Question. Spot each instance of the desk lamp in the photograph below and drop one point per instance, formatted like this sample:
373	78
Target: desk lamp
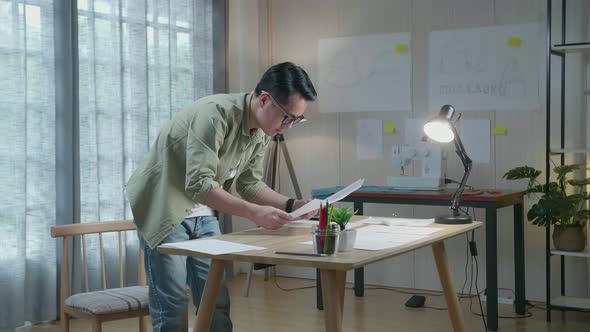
442	130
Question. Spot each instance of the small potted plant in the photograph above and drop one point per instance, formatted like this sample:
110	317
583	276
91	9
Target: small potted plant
342	216
562	203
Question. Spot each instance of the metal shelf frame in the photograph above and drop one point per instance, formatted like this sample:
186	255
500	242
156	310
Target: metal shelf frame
560	50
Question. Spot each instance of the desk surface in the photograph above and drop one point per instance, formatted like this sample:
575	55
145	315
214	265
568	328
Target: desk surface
289	239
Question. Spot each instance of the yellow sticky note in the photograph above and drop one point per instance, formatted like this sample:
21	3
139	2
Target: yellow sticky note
514	41
401	48
500	130
389	127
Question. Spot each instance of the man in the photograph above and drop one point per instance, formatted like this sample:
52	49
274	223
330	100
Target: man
216	141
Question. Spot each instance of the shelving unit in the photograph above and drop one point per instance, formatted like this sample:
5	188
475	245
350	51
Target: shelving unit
561	50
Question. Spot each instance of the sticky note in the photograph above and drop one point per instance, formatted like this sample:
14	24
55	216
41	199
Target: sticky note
389	127
500	130
514	41
401	48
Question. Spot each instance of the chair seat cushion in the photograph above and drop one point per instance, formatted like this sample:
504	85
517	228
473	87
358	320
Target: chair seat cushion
109	301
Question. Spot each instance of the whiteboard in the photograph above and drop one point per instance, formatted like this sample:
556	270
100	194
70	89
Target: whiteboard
483	69
365	73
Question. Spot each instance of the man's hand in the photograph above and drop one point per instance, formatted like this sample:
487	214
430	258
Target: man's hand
270	217
301	202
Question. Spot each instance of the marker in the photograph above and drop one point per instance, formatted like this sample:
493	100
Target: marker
299	253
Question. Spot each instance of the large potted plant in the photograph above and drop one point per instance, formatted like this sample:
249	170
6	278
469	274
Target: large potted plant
342	216
562	204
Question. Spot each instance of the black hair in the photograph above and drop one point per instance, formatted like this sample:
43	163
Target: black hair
283	80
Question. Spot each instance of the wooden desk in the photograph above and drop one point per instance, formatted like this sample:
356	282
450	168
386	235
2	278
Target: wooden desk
491	201
332	269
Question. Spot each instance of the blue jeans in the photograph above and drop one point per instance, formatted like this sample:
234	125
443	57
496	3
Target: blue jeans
169	275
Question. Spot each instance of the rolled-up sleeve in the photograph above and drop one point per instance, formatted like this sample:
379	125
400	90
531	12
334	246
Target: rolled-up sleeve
249	182
205	137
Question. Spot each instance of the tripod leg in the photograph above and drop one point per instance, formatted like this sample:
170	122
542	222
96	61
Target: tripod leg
289	163
270	166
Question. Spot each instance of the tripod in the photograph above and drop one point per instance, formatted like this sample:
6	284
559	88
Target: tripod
271	169
272	164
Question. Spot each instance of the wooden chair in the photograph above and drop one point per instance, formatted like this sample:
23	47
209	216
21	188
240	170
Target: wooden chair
106	304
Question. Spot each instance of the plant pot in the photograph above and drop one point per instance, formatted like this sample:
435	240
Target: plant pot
347	240
569	238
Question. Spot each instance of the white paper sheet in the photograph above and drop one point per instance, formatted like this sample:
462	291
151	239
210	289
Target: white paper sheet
365	73
475	69
302	223
414	131
369	239
378	237
306	223
476	137
397	221
404	230
369	139
315	204
212	246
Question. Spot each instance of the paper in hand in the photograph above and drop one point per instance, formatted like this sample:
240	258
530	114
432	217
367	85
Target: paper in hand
315	204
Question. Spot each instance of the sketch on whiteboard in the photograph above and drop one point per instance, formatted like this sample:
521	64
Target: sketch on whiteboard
476	69
343	71
359	74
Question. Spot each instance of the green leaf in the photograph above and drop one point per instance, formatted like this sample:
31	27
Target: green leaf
563	170
579	183
342	216
555	206
522	172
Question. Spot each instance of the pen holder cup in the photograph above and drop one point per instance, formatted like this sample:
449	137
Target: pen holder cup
325	241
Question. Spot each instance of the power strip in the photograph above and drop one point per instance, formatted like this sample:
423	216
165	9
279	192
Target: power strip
502	300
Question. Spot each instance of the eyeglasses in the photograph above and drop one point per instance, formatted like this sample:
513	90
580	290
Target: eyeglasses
288	118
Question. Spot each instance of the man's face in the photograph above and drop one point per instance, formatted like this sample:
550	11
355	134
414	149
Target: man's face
279	117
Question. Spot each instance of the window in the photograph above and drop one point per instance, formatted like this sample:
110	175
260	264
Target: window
27	161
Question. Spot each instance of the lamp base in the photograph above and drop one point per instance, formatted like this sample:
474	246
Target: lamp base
453	220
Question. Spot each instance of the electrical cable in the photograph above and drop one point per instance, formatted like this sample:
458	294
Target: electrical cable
399	291
462	293
477	290
289	289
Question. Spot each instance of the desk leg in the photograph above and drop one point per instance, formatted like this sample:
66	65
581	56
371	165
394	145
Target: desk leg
207	305
341	285
359	274
446	280
519	258
333	292
318	292
492	268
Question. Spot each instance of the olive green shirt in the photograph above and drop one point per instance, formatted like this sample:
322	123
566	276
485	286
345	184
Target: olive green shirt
207	145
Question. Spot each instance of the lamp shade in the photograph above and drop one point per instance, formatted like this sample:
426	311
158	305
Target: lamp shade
439	127
439	130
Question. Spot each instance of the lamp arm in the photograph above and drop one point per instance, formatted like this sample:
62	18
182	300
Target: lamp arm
467	165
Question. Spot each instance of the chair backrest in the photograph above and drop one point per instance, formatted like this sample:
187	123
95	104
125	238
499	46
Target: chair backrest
71	230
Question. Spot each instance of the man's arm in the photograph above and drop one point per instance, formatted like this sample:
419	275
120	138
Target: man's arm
267	196
266	216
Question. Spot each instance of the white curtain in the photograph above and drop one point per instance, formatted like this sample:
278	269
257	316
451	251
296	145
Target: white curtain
27	163
139	63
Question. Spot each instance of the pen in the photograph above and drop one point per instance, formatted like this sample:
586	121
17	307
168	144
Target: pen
299	253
